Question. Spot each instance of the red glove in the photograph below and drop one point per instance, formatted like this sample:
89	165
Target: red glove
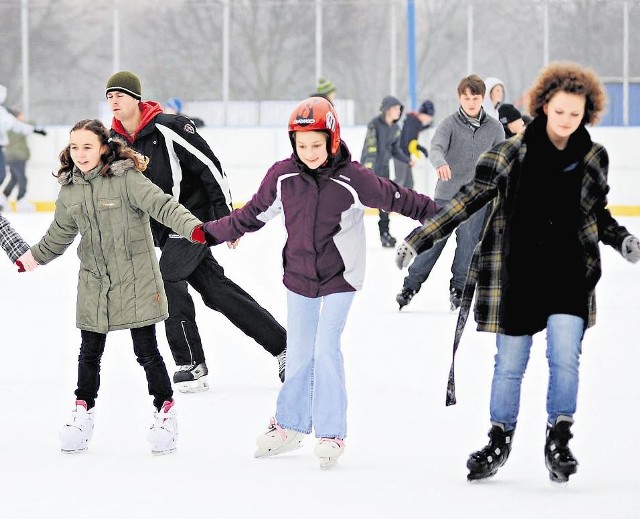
198	235
20	266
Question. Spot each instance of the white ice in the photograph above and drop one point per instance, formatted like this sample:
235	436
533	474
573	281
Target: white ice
406	451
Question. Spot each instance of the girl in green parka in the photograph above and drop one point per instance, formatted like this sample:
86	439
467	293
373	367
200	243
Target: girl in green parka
106	199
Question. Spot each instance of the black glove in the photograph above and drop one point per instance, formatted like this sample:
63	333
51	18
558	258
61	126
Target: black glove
41	131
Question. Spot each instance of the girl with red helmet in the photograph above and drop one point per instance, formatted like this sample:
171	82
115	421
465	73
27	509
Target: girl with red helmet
322	194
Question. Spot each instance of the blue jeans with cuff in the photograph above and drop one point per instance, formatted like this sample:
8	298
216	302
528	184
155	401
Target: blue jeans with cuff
564	344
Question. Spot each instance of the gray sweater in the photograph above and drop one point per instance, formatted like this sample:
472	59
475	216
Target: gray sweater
457	144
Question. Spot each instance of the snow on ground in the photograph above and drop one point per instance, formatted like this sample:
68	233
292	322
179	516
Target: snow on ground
406	451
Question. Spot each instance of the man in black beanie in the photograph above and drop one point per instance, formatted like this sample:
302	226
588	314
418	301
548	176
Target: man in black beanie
182	164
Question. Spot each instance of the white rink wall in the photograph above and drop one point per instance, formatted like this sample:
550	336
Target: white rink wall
247	153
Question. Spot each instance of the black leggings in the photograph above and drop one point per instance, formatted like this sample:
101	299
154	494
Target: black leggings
145	346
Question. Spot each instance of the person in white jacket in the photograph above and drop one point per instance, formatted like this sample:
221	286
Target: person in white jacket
9	122
494	96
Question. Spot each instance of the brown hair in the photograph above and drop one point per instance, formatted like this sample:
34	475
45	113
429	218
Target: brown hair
473	84
573	79
117	150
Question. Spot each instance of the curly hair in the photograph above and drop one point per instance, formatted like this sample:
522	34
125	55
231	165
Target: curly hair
573	79
117	149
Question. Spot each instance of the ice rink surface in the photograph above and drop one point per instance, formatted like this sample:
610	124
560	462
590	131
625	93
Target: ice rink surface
406	451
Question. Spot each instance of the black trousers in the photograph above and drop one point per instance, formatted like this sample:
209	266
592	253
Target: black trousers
17	169
222	295
145	346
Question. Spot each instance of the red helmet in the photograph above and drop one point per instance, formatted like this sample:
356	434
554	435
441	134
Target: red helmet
316	114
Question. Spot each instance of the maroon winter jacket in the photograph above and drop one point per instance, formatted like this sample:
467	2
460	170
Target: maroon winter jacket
323	210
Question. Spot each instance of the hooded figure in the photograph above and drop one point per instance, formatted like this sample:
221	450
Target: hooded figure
494	96
381	143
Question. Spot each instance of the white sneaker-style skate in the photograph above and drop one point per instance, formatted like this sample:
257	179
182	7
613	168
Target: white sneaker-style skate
328	450
277	440
163	434
77	432
191	378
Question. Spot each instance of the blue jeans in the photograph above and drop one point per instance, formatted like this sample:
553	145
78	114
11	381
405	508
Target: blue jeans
467	235
564	344
314	392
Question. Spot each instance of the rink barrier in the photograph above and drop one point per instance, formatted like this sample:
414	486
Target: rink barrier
247	153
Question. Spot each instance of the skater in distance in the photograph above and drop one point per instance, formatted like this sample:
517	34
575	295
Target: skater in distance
322	195
538	261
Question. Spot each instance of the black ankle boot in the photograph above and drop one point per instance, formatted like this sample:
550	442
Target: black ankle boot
486	462
558	457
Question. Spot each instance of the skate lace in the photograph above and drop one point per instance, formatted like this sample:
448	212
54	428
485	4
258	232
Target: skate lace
282	360
273	426
338	441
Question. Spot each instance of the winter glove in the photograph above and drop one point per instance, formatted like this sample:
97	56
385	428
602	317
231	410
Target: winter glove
631	249
198	235
41	131
404	255
20	266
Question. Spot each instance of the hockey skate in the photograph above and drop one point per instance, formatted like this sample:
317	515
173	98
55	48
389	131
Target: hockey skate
282	362
77	432
387	240
191	378
558	457
485	463
277	440
455	298
328	450
163	434
404	297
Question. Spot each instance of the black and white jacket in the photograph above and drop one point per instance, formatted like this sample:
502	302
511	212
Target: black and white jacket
181	163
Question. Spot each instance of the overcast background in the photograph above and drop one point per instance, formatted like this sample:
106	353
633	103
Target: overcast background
176	48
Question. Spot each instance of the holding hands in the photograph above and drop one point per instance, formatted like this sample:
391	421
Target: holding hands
26	262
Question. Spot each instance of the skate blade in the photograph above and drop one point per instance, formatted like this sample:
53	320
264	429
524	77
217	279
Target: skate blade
81	450
262	453
327	463
164	452
193	386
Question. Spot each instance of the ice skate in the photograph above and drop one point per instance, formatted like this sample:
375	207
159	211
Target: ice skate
277	440
455	298
77	432
163	434
328	450
387	240
404	297
558	457
191	378
485	463
282	362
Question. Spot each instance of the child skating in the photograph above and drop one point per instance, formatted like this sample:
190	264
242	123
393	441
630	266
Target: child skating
107	200
322	194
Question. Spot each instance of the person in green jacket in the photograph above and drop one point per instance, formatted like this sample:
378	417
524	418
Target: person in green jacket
105	197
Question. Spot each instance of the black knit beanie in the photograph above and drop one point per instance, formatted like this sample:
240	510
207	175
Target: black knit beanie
125	81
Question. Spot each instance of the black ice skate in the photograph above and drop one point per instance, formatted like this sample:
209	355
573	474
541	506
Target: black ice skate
282	363
404	297
191	378
387	240
485	463
455	298
558	457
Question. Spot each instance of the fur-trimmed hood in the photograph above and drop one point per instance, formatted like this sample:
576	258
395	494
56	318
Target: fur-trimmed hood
117	168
